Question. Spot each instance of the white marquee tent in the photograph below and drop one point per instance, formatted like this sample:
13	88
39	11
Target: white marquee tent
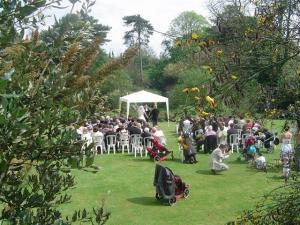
143	97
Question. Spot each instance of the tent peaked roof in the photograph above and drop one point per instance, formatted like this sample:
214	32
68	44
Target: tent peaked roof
143	96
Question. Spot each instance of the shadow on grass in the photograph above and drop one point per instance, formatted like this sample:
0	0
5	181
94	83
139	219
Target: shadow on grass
238	162
207	172
175	160
141	160
275	177
147	201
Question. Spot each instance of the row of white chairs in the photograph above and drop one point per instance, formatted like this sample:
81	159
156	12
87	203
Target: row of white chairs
135	143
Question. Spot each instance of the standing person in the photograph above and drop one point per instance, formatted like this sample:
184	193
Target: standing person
297	151
222	135
286	147
147	112
186	144
141	113
154	115
216	159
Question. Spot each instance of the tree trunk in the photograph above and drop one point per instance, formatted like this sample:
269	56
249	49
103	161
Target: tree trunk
141	59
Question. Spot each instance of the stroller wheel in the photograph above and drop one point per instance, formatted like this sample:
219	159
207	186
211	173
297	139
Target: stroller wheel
172	201
157	196
156	158
186	193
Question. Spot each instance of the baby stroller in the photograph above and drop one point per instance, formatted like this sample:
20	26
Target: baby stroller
169	187
260	163
269	141
158	152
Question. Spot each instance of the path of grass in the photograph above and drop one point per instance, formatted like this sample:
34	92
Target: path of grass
125	183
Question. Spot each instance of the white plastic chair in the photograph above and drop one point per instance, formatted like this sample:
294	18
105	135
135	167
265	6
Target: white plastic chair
177	128
99	143
124	142
111	143
181	155
87	137
234	142
136	143
147	144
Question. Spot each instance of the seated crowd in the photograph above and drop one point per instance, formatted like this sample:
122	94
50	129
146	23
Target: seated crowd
227	132
106	127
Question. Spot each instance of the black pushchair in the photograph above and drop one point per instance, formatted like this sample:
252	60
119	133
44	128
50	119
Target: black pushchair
169	187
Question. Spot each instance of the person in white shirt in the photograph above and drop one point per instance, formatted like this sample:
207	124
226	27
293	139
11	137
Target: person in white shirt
216	159
260	162
187	126
159	134
141	113
222	135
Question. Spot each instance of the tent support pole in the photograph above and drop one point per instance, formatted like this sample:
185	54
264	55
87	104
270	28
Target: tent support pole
168	116
127	111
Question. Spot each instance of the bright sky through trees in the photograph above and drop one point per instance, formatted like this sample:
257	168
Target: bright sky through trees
159	13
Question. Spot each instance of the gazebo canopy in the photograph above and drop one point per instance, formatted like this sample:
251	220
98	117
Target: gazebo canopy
143	97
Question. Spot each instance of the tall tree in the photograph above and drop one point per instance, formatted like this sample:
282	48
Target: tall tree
186	23
139	35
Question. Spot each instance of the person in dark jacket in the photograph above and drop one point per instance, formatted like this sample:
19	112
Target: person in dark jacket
154	115
134	129
231	131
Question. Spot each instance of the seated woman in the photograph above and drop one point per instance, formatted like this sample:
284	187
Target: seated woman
216	159
159	135
250	151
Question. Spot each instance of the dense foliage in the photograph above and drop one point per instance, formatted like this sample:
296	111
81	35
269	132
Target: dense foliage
45	91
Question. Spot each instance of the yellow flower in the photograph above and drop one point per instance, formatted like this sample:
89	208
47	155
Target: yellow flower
298	72
186	90
197	98
202	44
205	113
195	36
273	100
261	20
219	52
211	42
211	101
208	68
233	77
248	114
178	42
201	113
195	89
290	107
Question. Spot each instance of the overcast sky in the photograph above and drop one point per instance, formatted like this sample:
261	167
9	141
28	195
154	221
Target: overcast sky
159	12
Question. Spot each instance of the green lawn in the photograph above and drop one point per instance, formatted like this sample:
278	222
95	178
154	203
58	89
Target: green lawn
125	183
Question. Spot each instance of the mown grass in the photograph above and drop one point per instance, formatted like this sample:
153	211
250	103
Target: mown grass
126	185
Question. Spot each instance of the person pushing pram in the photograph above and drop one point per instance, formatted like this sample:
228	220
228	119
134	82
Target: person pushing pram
186	143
